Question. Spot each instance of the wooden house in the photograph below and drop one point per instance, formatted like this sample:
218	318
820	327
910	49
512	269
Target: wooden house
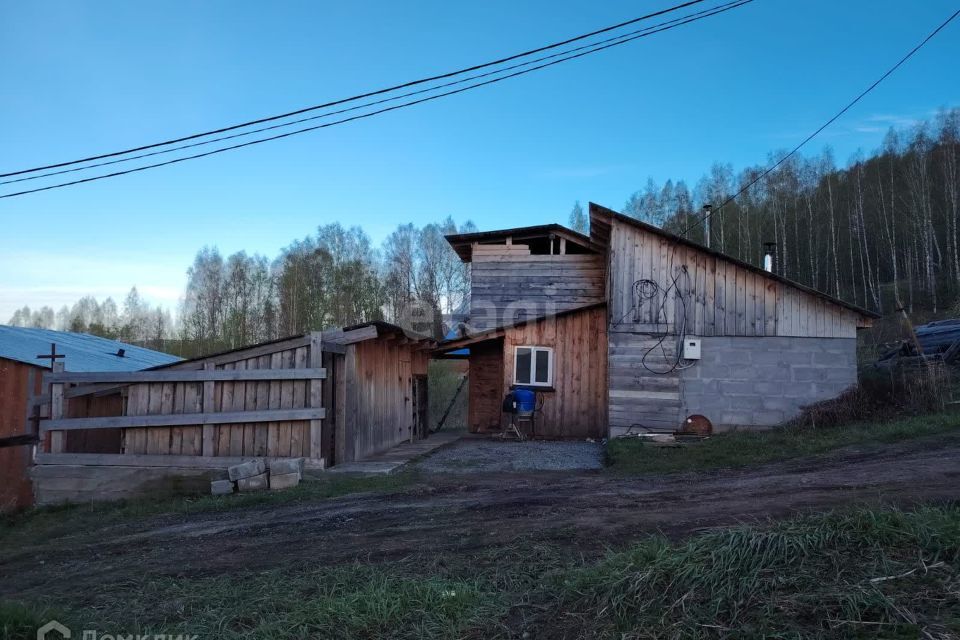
329	397
632	329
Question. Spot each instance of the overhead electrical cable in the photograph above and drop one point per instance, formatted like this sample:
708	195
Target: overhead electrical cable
626	37
700	220
702	15
368	94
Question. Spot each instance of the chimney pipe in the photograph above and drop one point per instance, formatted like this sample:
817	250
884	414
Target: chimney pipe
769	252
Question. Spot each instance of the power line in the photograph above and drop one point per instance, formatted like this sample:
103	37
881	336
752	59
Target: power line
626	37
718	10
850	105
361	96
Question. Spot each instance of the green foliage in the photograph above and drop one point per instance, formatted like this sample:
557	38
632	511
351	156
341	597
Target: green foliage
743	448
834	575
19	622
353	601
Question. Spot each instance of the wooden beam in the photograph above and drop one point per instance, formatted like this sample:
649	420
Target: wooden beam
92	389
181	419
359	335
333	347
315	394
243	354
187	376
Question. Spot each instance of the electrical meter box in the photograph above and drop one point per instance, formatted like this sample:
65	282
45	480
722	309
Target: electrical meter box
691	348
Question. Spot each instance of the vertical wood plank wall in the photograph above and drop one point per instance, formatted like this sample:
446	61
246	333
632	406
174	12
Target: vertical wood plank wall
722	298
18	381
641	396
506	281
378	409
577	407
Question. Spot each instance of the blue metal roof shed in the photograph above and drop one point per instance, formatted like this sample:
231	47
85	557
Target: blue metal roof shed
83	351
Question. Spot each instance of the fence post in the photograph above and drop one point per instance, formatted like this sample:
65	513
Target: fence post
316	395
57	438
209	435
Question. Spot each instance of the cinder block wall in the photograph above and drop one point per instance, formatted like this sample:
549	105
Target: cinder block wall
761	382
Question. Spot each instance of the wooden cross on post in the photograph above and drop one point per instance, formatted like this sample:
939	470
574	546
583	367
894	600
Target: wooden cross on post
53	356
57	440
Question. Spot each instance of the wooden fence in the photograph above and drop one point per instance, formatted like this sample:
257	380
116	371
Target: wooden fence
268	400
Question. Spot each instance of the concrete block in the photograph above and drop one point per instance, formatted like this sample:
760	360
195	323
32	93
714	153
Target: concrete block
770	388
253	483
830	359
773	403
767	356
736	388
735	356
246	469
736	418
221	487
767	418
284	480
809	374
286	466
771	372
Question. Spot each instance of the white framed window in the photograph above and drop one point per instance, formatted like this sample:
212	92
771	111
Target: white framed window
533	366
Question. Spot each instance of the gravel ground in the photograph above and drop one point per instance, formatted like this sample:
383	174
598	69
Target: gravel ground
475	455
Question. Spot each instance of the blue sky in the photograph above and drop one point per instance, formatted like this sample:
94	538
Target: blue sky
81	78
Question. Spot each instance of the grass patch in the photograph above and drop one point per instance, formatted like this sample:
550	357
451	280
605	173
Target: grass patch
47	522
862	573
744	448
20	621
355	601
865	573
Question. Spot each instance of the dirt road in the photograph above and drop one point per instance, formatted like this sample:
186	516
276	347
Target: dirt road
587	510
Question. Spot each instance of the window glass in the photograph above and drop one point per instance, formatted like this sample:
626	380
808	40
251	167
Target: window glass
542	374
523	366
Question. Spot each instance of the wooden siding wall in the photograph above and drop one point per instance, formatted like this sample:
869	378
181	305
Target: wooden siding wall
640	398
577	408
378	411
485	393
722	298
272	439
18	381
508	284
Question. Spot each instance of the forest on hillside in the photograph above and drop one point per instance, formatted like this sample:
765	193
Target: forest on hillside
882	232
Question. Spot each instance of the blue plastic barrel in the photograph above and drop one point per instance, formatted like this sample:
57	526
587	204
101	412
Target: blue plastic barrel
525	399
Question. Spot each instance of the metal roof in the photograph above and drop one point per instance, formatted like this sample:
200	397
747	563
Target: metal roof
84	352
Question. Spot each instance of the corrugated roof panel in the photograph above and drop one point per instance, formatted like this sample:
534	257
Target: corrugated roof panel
84	352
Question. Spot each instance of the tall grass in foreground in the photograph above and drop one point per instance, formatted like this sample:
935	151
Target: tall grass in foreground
877	573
